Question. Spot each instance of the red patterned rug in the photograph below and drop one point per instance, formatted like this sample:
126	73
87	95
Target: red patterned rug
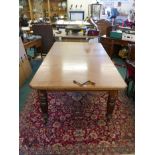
77	128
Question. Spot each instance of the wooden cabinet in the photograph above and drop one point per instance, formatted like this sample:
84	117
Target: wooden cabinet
58	7
35	9
25	8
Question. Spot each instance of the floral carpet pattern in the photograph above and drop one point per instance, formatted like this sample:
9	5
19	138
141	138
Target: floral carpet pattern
77	125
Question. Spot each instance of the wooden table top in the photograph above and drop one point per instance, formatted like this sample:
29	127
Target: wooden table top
80	61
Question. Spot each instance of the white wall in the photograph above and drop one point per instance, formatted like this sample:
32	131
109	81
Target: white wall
125	7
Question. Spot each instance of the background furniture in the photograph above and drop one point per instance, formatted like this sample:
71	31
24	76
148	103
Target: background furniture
46	8
130	78
46	32
94	11
75	29
77	37
131	51
35	43
63	23
130	75
104	26
25	70
109	44
24	65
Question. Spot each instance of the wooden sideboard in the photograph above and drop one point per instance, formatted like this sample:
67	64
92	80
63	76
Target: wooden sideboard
72	37
109	44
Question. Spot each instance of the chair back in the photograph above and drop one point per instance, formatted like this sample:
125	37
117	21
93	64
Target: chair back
104	27
46	31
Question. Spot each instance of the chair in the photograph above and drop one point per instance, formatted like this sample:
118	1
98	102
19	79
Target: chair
104	26
130	79
46	31
130	67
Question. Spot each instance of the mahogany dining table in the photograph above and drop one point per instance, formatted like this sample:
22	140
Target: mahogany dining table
77	66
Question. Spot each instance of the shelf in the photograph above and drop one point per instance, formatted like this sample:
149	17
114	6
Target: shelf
51	8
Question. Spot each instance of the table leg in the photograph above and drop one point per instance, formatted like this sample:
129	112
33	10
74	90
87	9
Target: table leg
111	103
84	32
41	50
67	32
43	104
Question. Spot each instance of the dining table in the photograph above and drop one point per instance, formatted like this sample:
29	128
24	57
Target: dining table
77	67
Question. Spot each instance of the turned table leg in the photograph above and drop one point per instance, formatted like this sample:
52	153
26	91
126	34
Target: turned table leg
111	103
43	104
